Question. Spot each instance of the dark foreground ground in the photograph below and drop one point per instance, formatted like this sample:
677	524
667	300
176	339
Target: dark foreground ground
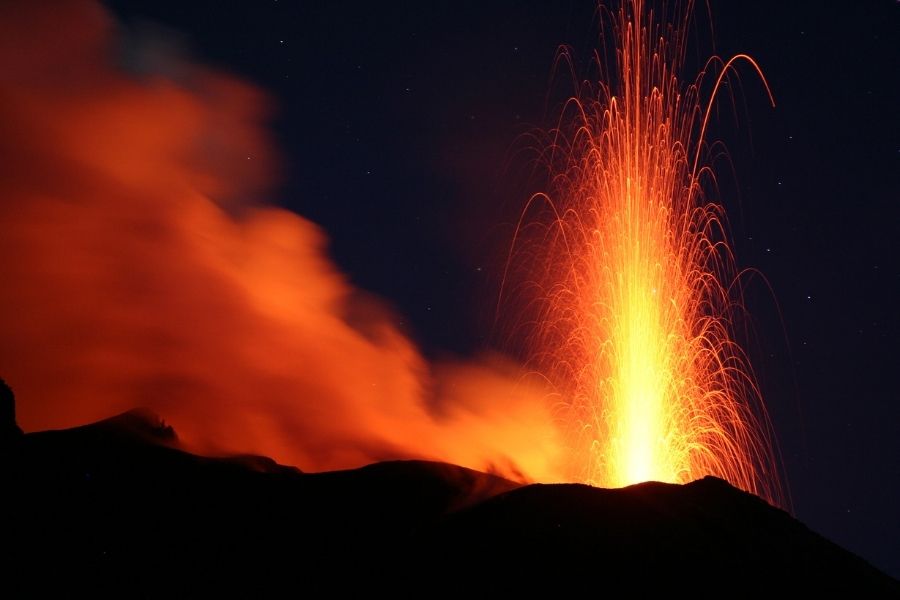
115	509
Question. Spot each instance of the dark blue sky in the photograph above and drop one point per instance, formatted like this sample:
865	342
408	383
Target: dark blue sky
397	124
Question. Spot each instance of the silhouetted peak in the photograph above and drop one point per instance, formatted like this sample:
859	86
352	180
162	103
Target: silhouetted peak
713	480
708	482
711	484
470	486
142	423
262	464
8	426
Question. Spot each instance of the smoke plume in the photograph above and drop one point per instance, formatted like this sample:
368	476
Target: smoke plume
140	267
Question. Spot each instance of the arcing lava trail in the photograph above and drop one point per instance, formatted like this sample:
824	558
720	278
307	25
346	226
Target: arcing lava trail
629	288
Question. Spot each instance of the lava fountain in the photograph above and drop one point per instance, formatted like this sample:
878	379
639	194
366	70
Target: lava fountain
629	285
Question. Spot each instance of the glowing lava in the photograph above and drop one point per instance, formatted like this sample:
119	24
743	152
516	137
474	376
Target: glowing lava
629	282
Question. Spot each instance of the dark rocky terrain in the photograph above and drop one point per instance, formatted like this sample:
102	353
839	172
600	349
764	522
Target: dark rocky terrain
116	509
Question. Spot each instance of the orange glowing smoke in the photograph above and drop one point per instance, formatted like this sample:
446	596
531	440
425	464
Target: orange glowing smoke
139	268
631	302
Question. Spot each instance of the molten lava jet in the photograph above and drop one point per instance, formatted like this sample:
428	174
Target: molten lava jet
629	285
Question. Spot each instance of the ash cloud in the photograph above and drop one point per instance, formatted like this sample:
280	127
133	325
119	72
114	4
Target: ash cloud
140	268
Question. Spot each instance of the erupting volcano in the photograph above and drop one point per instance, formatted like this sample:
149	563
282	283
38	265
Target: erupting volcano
231	369
631	288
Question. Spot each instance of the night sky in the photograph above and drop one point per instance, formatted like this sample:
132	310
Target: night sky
398	126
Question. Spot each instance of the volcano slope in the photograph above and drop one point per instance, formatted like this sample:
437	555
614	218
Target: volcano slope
115	508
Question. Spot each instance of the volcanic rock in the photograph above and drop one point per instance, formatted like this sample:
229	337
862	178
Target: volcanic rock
9	429
116	509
